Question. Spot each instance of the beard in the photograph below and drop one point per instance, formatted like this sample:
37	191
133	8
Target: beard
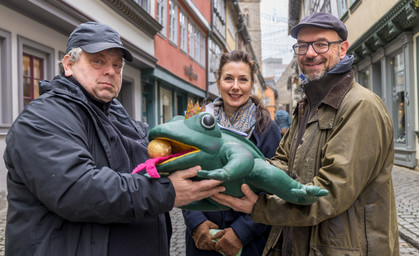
317	75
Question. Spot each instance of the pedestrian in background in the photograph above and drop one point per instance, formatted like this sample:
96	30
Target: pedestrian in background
69	157
236	109
283	119
342	140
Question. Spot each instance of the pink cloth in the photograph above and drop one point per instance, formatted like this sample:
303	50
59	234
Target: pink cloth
150	164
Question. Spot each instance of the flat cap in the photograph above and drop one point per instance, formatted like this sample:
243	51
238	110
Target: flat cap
322	20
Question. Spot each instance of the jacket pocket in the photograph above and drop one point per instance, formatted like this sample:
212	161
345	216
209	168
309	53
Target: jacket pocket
324	250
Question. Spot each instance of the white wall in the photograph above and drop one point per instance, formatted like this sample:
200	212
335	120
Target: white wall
102	13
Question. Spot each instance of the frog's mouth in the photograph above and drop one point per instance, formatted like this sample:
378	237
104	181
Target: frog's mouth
179	150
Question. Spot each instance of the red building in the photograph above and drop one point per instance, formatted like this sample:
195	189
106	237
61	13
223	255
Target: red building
181	52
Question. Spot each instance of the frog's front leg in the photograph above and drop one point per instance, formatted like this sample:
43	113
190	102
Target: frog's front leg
238	163
308	194
268	178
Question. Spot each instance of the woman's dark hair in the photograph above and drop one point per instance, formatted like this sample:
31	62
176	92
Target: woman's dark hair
263	118
237	56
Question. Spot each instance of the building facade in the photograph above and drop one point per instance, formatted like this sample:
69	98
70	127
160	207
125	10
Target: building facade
230	32
271	96
182	77
176	45
385	61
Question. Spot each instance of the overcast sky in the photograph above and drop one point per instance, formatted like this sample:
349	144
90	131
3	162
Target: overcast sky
274	25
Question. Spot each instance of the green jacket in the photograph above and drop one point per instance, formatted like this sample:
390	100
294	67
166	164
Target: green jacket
348	149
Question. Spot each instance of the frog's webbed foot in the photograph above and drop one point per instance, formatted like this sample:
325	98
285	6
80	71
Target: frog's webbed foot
308	194
217	174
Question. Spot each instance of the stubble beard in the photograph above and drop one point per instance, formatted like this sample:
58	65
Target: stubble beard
318	76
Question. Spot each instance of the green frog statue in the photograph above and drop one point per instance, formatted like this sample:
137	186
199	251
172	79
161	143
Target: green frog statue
223	155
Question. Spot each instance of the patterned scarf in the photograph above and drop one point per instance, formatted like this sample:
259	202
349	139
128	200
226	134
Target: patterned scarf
244	120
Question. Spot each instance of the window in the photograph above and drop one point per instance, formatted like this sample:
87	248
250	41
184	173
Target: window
197	39
267	101
219	16
202	50
364	78
173	22
36	62
191	40
144	4
353	4
342	8
161	15
196	44
166	106
214	56
183	32
33	72
399	87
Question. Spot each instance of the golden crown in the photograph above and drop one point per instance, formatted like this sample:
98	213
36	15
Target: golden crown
192	109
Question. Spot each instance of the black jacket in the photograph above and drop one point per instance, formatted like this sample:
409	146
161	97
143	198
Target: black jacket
63	197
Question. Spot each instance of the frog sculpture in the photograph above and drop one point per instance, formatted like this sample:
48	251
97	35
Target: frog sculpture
223	155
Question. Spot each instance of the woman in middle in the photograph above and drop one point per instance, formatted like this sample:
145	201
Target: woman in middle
236	109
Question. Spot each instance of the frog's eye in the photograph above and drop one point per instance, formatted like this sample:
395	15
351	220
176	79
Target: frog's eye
208	121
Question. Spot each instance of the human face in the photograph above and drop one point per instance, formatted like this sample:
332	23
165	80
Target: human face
315	65
235	85
99	73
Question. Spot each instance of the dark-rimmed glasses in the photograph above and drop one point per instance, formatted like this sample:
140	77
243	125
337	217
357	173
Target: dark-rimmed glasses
318	46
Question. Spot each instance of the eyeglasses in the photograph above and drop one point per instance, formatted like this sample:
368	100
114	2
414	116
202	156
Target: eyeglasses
318	46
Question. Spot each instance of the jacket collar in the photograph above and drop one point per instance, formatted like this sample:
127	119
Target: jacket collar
336	93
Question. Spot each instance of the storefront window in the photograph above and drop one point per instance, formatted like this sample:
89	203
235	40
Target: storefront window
364	78
166	106
398	73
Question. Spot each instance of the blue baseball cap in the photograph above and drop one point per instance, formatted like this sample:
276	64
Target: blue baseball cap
93	37
322	20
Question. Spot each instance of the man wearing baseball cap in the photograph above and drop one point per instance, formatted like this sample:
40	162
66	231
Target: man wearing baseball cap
70	154
341	139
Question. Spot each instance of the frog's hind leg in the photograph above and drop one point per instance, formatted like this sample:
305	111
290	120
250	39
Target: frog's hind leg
270	179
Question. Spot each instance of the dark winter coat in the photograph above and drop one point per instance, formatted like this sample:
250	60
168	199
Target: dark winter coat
63	196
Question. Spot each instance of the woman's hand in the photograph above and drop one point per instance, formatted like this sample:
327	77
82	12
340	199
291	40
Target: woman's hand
244	204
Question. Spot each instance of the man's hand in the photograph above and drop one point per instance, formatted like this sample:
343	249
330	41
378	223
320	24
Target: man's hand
244	204
201	236
229	243
188	191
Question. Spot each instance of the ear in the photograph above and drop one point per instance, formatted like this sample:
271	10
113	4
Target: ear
343	49
68	65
